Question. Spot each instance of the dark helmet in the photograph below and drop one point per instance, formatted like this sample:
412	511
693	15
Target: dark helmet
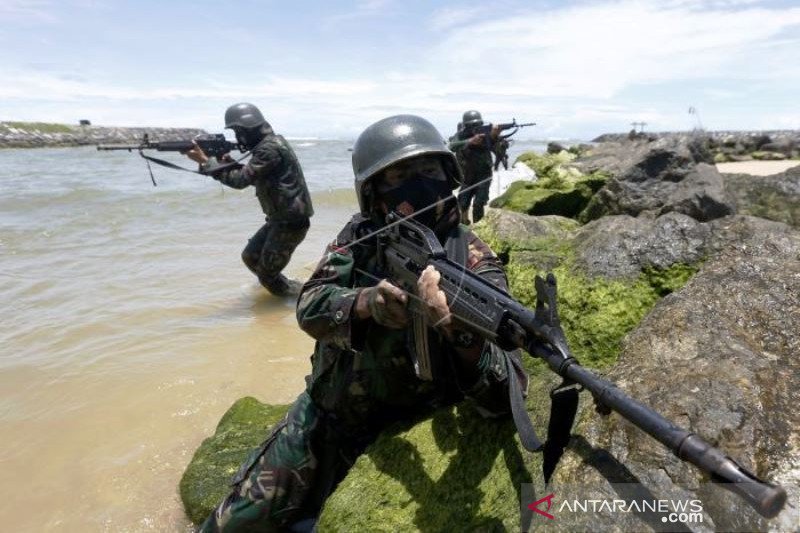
245	116
395	139
471	119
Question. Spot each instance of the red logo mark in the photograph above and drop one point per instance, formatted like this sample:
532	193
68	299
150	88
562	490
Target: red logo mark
535	506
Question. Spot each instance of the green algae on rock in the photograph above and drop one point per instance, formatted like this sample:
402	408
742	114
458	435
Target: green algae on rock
454	471
559	190
242	428
596	312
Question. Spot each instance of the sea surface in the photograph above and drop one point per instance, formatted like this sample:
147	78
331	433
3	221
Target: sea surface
128	325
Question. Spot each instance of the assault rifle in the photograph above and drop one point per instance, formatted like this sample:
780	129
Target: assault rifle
213	144
486	130
407	248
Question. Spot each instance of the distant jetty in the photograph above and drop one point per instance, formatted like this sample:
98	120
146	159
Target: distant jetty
43	134
728	146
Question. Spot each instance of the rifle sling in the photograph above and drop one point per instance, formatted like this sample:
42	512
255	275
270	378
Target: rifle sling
173	166
563	408
564	399
516	398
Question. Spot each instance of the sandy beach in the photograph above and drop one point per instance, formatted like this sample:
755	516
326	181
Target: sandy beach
757	168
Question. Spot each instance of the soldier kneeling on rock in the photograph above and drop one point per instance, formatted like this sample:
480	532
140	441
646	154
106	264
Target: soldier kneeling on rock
363	378
281	190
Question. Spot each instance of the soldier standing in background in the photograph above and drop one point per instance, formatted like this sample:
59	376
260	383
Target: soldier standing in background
281	190
475	156
363	377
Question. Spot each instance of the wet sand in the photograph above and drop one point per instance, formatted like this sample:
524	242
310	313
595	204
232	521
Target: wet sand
756	168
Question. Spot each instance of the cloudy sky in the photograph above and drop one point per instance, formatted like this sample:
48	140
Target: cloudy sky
330	68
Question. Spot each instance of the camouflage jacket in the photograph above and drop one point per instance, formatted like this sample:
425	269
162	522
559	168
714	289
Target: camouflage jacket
476	161
363	372
275	173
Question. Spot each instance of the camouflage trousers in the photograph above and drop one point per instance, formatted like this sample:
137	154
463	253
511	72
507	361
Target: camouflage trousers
283	484
481	196
270	249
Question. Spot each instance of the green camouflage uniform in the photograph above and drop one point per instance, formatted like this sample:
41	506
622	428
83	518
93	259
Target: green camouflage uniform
362	381
500	149
281	190
476	164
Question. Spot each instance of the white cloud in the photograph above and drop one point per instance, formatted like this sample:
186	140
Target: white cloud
364	8
599	50
448	17
566	68
49	87
26	11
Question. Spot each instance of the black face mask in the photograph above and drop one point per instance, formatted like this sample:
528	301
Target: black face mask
417	193
248	139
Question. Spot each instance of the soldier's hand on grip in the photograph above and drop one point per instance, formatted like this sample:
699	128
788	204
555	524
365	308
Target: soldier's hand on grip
476	140
197	154
385	303
436	309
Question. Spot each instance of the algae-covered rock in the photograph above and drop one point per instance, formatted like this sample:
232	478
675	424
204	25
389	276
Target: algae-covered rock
718	357
536	199
515	237
764	155
455	471
551	165
598	306
622	246
559	190
207	478
775	197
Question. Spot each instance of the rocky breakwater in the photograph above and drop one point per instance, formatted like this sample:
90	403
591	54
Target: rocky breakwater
726	146
40	134
663	288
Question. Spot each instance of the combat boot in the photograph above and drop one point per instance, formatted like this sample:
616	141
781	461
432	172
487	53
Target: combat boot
280	285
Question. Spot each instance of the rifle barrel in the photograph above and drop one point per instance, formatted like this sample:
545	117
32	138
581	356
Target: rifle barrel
128	147
765	498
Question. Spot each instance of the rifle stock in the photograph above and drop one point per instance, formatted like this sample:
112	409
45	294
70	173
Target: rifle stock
408	248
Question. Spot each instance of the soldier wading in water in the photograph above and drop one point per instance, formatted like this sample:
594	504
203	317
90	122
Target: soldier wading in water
281	190
363	378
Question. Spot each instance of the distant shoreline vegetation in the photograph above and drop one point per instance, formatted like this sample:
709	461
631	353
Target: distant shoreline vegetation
17	134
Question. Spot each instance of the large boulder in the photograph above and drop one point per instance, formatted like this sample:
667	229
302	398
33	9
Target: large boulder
719	357
674	173
667	157
206	481
775	197
623	246
602	296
